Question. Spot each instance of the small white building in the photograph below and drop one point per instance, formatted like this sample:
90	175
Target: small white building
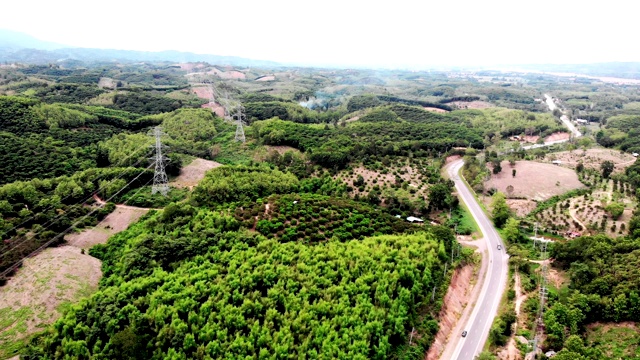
635	154
582	122
414	219
556	162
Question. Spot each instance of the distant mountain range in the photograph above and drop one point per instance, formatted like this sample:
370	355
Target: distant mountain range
23	48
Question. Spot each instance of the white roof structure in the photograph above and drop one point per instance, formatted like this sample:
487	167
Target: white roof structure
414	219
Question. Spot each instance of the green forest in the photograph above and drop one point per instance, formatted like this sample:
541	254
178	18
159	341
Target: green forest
198	282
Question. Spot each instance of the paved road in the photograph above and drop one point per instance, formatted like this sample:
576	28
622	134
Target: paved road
493	287
552	106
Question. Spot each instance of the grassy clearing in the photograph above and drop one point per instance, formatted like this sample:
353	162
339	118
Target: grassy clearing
466	221
617	341
13	326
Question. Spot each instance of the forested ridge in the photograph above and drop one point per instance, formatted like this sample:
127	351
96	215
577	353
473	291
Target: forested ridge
194	282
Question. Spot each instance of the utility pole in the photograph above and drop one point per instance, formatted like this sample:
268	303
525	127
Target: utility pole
240	129
160	180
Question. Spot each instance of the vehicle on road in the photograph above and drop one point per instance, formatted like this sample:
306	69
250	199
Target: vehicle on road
499	247
464	333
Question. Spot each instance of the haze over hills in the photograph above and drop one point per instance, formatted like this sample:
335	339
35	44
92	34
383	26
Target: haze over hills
21	47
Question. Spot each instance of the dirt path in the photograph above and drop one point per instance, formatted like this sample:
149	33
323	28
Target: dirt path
575	218
511	352
455	312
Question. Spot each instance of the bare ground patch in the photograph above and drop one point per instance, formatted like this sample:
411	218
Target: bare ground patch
191	66
472	104
534	180
281	149
438	110
54	279
593	158
117	221
207	93
553	137
521	207
36	295
191	174
454	303
231	74
106	82
266	78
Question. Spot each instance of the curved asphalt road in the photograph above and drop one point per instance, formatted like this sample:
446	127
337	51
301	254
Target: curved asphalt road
493	287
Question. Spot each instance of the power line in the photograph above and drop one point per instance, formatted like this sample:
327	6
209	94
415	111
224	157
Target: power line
59	217
46	244
70	195
29	273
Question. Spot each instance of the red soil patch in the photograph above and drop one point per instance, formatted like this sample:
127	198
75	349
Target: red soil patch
203	92
557	136
553	137
534	180
191	174
207	93
432	109
452	158
454	302
215	108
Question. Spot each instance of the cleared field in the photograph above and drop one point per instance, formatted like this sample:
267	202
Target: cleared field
53	280
593	158
191	174
534	180
39	292
472	104
115	222
206	93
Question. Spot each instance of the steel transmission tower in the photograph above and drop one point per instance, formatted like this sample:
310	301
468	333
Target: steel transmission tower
543	297
240	128
160	180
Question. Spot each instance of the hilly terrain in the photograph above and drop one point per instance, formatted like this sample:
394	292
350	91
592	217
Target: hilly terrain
310	212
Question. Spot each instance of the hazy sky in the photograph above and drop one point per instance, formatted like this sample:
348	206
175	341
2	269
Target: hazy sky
395	33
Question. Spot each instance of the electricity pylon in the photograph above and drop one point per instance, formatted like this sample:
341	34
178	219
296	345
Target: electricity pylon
160	180
240	128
